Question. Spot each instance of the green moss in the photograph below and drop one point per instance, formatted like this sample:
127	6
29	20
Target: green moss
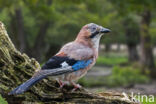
3	87
2	100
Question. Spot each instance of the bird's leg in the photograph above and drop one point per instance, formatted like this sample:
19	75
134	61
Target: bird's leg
76	86
61	83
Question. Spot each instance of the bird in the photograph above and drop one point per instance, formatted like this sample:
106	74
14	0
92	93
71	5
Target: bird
72	61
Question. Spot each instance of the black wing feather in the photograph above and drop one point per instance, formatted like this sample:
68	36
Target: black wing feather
55	62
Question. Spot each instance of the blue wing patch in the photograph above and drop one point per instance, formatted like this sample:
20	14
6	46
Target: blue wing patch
81	64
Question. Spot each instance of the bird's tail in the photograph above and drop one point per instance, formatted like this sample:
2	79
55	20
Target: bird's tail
39	76
25	86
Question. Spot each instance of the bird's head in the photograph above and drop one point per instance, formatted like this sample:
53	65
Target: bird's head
91	34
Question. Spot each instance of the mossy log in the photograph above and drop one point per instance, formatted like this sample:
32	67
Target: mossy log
16	68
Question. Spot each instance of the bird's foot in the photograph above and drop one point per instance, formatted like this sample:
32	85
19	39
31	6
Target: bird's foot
76	86
61	83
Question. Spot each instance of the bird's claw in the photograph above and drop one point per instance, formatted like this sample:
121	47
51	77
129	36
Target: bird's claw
76	86
61	84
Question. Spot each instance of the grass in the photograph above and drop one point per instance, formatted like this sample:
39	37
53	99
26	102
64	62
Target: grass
121	76
110	59
127	75
92	82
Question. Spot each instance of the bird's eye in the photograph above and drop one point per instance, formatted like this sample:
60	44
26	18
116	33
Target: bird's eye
94	28
94	32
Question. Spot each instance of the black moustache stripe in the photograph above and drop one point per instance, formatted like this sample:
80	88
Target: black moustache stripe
94	34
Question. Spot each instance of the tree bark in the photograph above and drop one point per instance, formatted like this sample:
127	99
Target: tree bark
15	68
146	58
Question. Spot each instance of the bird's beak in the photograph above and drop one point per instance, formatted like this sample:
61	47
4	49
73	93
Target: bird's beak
104	30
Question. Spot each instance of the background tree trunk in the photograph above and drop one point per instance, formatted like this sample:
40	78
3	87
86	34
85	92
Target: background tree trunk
132	52
39	45
17	30
15	68
20	30
107	47
132	37
146	57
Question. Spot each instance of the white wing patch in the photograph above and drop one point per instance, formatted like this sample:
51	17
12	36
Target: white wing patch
64	64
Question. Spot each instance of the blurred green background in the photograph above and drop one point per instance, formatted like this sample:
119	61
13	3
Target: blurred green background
127	55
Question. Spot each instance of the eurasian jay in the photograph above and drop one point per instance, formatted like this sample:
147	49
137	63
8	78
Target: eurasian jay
72	61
